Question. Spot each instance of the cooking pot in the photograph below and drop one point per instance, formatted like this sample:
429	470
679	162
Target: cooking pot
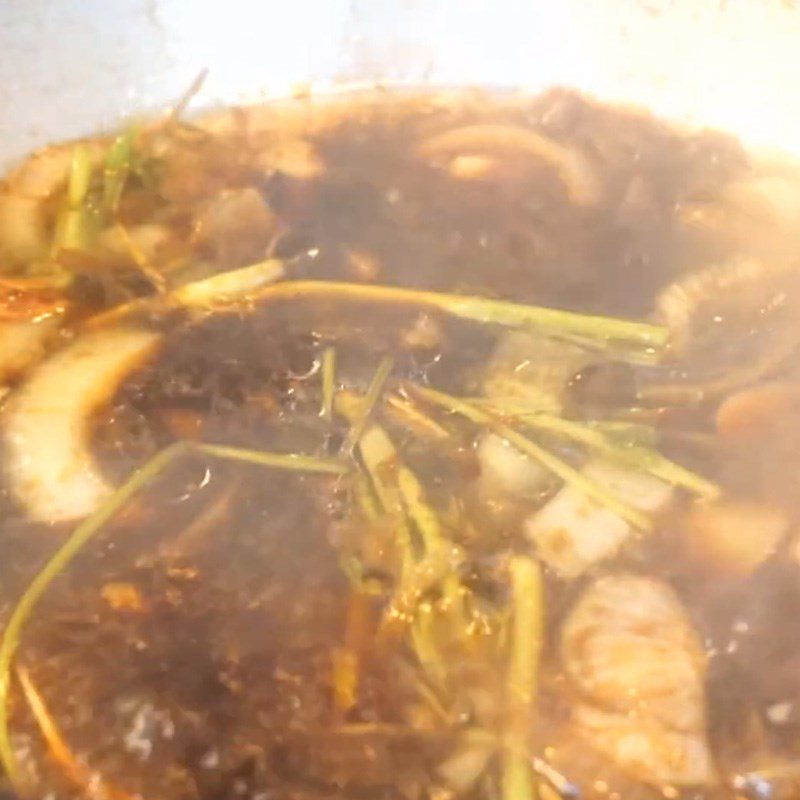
72	68
76	68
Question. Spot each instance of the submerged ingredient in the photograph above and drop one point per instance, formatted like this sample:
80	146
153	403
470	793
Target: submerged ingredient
400	446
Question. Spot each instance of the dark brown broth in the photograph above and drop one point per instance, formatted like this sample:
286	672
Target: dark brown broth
219	686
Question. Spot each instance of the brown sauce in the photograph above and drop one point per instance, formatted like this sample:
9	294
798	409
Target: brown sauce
201	645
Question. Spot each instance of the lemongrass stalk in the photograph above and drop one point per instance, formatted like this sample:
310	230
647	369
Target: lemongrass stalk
80	174
71	230
378	449
637	456
552	463
518	782
551	321
287	461
427	522
428	572
117	168
406	413
423	515
404	488
380	460
328	382
374	390
365	498
206	294
423	640
230	286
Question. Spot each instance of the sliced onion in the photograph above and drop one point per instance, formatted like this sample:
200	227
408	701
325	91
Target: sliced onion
504	469
680	305
572	167
573	532
49	468
731	324
147	238
468	167
237	226
22	343
22	231
533	370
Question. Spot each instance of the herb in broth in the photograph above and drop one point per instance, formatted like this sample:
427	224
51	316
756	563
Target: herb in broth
400	446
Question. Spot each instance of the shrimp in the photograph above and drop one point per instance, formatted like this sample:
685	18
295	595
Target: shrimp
639	667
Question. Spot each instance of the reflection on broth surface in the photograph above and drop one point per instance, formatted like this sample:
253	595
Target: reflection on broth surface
403	446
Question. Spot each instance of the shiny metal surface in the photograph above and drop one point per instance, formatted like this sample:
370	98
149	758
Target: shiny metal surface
69	67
